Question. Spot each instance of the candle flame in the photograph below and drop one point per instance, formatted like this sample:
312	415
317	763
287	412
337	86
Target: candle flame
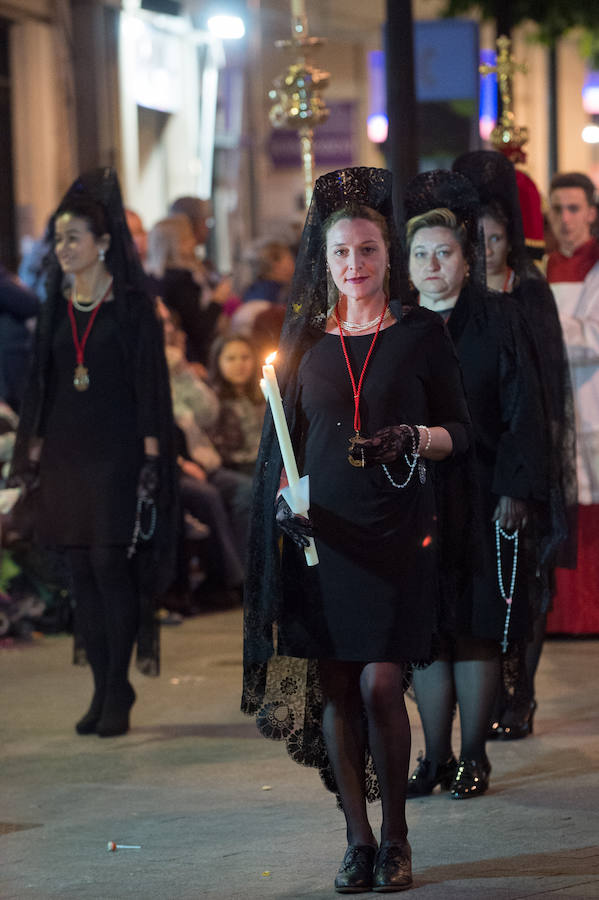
271	358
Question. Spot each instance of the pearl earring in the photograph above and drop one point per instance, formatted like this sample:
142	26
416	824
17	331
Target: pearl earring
101	254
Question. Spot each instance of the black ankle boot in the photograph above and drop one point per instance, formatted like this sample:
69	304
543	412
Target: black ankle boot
115	711
87	724
425	776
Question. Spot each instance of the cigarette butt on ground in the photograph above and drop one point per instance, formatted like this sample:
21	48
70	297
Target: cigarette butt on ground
111	846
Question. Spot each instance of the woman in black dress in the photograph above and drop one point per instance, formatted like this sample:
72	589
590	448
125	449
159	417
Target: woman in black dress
511	271
95	441
508	417
356	364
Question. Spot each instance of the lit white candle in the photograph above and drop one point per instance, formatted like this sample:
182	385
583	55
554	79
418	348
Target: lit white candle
278	414
297	493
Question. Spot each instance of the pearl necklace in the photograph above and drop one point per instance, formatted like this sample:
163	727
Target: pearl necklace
357	326
500	533
88	306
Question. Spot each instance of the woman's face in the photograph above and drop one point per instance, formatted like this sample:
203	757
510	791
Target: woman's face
75	245
357	258
236	363
496	245
437	265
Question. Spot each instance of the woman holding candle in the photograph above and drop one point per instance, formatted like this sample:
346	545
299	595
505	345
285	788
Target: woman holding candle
372	393
94	445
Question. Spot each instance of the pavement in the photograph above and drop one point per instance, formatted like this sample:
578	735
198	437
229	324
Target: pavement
220	812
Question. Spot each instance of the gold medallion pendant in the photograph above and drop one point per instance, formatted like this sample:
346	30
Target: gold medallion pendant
81	378
358	463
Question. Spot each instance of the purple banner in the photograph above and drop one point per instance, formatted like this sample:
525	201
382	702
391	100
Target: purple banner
333	141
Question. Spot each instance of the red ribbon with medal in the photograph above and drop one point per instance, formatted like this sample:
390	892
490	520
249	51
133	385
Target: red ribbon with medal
81	375
357	389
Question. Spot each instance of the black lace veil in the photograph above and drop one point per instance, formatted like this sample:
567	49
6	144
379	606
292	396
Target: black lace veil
442	189
494	178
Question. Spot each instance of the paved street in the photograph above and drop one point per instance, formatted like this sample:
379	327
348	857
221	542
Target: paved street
219	812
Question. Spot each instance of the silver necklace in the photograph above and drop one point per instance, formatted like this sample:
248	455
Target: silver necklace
362	326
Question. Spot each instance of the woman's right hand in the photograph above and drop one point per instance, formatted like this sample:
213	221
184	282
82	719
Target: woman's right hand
298	528
28	480
511	514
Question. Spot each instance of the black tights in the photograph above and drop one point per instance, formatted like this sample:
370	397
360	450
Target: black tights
364	703
106	611
467	674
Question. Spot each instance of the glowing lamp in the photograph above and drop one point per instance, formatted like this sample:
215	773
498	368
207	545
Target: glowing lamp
377	128
590	93
590	134
226	27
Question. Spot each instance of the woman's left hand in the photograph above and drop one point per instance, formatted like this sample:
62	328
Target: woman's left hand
149	479
511	514
385	446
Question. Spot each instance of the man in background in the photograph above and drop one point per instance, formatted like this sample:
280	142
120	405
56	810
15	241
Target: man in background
573	273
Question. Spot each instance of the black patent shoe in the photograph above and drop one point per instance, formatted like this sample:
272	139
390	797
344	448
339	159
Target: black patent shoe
88	723
495	730
518	726
355	872
426	777
115	712
471	780
392	868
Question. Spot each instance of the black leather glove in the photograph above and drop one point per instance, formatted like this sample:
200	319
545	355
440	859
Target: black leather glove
28	480
148	483
385	446
511	514
298	528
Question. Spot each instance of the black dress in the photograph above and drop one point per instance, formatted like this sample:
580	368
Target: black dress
92	446
374	594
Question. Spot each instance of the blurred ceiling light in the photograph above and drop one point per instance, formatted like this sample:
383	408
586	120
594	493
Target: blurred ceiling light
226	27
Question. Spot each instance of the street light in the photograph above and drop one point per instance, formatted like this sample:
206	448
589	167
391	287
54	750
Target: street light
226	27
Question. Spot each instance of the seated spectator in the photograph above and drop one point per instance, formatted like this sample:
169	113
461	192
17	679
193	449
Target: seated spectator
180	280
234	376
213	494
266	331
18	304
273	264
138	233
